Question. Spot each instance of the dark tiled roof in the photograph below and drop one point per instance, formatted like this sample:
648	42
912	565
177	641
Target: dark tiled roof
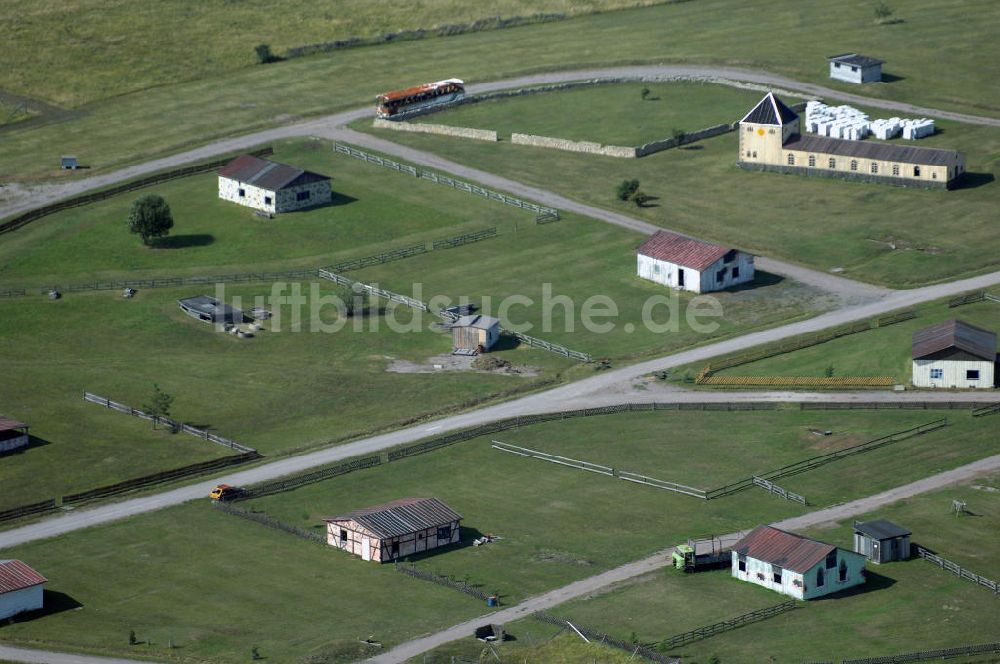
402	517
218	311
856	60
770	111
784	549
880	529
15	575
266	174
903	154
7	424
681	250
955	334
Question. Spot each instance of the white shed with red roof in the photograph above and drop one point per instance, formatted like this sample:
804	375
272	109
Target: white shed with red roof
682	262
20	588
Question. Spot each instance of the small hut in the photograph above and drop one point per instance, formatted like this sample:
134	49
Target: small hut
475	333
401	528
68	162
13	434
881	541
210	310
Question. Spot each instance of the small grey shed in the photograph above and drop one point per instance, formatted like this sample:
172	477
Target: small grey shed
881	541
475	332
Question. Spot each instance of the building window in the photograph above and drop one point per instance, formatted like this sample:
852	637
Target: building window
444	533
833	162
812	160
820	578
791	160
302	196
854	164
267	200
895	169
754	154
770	131
242	192
831	559
749	129
874	168
720	276
748	153
776	573
741	562
937	374
656	268
836	65
916	171
854	69
395	549
972	374
934	175
343	536
736	272
730	256
842	571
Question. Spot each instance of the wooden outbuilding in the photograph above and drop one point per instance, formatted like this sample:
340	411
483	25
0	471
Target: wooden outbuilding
21	588
881	541
796	566
385	533
682	262
272	187
855	68
13	434
954	354
475	333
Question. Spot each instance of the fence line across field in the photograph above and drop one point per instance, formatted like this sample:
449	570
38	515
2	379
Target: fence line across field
958	570
706	631
928	655
553	458
767	485
541	210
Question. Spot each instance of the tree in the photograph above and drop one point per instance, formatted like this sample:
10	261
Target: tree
882	11
355	301
829	371
150	218
626	189
678	135
159	405
644	93
640	198
264	55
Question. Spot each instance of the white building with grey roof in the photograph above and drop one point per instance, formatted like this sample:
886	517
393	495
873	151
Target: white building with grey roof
272	187
401	528
855	68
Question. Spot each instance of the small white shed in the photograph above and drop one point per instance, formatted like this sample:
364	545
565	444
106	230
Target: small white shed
855	68
688	264
954	354
21	588
272	187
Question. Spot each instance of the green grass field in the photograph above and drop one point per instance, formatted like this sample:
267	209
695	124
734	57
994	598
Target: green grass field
121	128
612	115
879	352
821	223
907	606
321	601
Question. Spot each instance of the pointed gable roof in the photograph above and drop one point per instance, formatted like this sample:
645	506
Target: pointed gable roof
401	517
267	174
15	575
770	111
680	250
784	549
955	334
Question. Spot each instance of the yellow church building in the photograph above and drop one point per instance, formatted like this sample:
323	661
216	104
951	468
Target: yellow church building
771	140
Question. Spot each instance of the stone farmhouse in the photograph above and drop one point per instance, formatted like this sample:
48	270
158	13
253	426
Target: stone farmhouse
771	140
681	262
854	68
272	187
21	588
954	354
794	565
385	533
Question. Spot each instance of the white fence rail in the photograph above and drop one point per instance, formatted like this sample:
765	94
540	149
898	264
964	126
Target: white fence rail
173	424
767	485
958	570
373	290
661	484
552	458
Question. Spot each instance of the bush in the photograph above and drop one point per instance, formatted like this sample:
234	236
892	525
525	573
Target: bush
626	189
882	11
264	54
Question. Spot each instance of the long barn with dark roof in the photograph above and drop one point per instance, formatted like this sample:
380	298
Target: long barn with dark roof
395	530
682	262
272	187
771	140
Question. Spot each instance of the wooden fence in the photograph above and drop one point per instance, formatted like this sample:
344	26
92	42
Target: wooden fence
301	479
270	522
958	570
700	633
990	409
768	485
929	655
967	298
445	180
888	405
595	635
171	423
76	201
535	342
459	240
380	258
661	484
553	458
28	510
447	582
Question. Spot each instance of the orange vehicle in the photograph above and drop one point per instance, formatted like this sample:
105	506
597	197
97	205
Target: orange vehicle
226	492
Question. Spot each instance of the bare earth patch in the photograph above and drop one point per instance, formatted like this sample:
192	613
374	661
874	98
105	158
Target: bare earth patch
442	363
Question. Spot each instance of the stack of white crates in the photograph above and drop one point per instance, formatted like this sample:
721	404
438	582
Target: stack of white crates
849	123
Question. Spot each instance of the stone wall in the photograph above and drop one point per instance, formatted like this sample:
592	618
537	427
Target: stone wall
667	143
443	130
573	146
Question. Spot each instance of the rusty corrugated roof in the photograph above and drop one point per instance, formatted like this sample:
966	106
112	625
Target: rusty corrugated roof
784	549
903	154
681	250
7	424
415	90
401	517
955	334
15	575
267	174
